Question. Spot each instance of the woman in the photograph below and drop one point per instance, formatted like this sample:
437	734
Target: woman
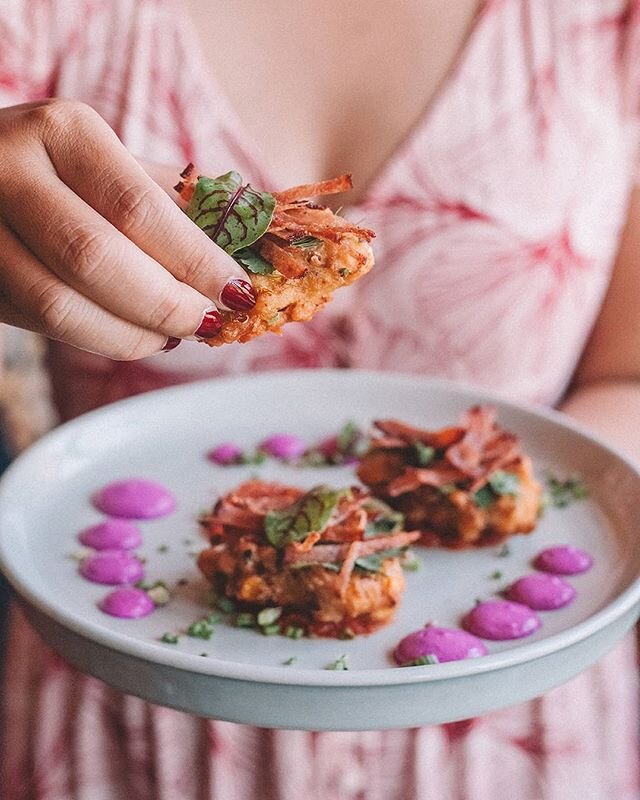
494	147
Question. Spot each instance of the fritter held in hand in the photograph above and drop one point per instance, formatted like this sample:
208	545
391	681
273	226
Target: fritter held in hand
297	253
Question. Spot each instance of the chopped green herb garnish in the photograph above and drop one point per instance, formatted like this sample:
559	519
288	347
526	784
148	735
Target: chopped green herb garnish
504	551
339	664
169	638
484	497
214	618
226	605
159	594
259	457
294	632
245	620
496	575
291	660
422	661
504	482
344	272
347	436
267	616
560	494
201	629
424	454
270	630
313	458
204	655
410	562
163	548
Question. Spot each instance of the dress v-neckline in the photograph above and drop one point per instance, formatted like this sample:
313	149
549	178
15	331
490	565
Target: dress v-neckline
249	147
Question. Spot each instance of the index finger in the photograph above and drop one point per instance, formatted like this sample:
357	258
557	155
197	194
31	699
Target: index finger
106	176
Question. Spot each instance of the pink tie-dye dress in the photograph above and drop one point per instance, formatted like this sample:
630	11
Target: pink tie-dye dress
498	220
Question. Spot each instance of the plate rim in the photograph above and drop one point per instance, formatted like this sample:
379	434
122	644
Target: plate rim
153	652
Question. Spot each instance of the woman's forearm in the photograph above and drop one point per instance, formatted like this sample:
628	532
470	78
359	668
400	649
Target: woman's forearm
612	410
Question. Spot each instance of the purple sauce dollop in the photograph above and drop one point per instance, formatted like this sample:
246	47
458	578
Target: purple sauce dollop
225	454
135	498
446	644
285	446
542	592
127	602
500	620
112	534
111	567
563	560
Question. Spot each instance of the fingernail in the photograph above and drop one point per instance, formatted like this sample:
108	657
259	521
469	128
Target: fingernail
210	325
171	344
238	295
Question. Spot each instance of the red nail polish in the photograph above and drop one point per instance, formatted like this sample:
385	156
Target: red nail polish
171	343
239	295
210	325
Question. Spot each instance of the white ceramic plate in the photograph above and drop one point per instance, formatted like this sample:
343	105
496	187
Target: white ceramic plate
44	503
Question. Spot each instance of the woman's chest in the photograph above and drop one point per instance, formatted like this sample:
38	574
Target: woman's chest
326	88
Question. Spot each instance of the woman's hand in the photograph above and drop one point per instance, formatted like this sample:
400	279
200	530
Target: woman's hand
92	250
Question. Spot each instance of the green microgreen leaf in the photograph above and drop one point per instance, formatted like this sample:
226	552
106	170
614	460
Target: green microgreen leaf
504	551
245	620
253	262
169	638
374	562
310	513
232	214
291	660
294	632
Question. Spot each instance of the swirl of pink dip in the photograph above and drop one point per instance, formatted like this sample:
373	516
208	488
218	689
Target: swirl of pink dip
111	567
135	498
563	560
127	602
225	454
446	644
112	534
542	592
501	620
285	446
